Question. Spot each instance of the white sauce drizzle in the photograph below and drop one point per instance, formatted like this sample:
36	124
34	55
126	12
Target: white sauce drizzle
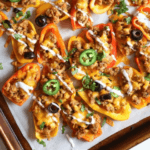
130	45
50	114
114	58
114	33
98	40
52	52
33	41
24	86
70	140
66	85
129	82
127	2
110	89
80	71
142	18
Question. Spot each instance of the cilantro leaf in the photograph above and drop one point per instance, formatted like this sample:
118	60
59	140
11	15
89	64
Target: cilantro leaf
122	7
42	125
27	15
41	142
128	20
90	114
98	101
17	36
147	78
6	26
62	108
104	74
20	13
82	89
114	94
114	21
104	121
14	20
60	100
82	107
55	72
63	129
75	70
1	67
100	56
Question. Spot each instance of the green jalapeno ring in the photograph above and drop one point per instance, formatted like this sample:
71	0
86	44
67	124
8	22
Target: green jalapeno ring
88	57
51	87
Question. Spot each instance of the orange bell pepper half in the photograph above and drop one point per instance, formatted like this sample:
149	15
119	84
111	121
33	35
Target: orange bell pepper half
60	43
143	10
113	40
29	75
4	17
89	136
97	9
74	22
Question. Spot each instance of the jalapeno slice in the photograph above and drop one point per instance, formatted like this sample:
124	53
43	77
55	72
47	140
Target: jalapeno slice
88	57
51	87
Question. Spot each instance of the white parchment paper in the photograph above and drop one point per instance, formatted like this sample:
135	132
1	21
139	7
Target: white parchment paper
24	118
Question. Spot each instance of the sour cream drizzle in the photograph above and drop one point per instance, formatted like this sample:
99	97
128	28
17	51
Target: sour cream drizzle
80	120
50	114
24	86
66	85
52	52
129	82
98	40
114	58
70	140
33	41
110	89
142	18
130	45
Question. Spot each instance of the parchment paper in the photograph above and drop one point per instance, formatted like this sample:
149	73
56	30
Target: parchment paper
24	118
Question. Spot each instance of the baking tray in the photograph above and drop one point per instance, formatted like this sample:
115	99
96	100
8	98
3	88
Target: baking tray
122	140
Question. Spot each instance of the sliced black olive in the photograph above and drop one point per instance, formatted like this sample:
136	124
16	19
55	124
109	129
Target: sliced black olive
136	34
105	97
53	108
16	10
29	55
8	23
98	87
41	21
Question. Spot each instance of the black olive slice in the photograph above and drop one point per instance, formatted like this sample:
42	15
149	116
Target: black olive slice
29	55
98	87
41	21
53	108
16	10
136	34
8	23
105	97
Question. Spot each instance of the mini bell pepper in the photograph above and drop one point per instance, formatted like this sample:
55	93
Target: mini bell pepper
144	101
20	58
60	43
123	114
143	10
40	116
43	8
89	136
29	74
8	3
97	9
83	5
4	17
112	42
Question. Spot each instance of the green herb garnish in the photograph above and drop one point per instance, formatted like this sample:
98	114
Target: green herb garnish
63	129
82	107
17	36
114	94
55	72
100	56
60	100
42	125
147	78
104	121
121	8
1	67
90	114
104	74
98	101
20	13
41	142
128	20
